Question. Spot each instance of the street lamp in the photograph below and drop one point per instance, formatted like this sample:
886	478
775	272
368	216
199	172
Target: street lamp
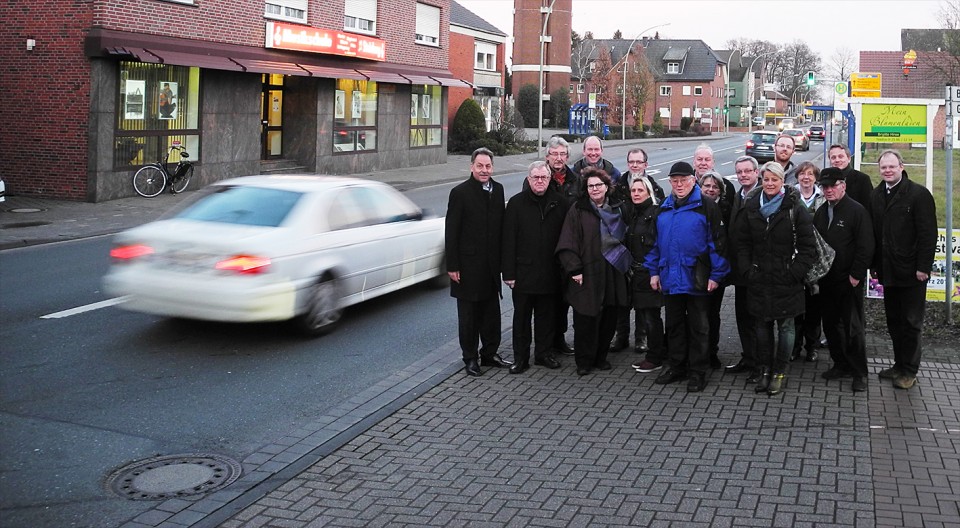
543	40
750	73
623	105
726	93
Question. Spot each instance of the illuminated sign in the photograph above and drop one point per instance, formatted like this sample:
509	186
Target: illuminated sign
281	35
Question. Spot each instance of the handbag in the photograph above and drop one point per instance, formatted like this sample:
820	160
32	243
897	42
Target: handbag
825	255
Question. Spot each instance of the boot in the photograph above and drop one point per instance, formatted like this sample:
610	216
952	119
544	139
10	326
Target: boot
764	382
776	383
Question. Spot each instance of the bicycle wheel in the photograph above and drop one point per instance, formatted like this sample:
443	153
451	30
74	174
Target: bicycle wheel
179	182
149	181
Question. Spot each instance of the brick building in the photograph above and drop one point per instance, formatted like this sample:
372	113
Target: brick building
95	89
926	81
477	55
528	20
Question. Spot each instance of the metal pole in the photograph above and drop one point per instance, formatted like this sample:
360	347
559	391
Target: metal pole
948	248
726	94
543	35
623	105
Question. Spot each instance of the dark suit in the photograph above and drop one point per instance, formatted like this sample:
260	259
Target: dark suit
841	305
859	185
473	225
905	221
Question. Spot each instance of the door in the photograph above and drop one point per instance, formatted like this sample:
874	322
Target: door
271	116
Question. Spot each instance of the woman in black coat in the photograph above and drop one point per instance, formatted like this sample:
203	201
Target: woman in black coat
593	257
647	302
775	247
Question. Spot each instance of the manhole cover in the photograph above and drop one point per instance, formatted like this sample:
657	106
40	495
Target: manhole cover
171	476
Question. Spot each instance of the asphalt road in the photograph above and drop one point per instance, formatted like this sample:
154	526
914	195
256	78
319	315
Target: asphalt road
87	387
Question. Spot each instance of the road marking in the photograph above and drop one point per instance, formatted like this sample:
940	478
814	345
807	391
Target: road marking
86	308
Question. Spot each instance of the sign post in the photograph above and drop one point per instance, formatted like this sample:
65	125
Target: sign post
953	101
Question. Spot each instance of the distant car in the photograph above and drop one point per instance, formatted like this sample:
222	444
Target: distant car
799	137
816	132
786	124
758	121
760	145
273	248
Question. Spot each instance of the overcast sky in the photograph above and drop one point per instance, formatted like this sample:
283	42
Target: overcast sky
824	25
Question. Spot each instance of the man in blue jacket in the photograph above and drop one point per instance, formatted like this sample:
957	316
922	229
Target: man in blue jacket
686	265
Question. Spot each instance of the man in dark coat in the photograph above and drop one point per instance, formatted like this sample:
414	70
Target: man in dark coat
748	176
859	186
703	163
567	183
474	220
845	225
593	157
905	230
531	228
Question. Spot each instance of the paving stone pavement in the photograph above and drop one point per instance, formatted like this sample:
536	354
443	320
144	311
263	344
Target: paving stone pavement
549	448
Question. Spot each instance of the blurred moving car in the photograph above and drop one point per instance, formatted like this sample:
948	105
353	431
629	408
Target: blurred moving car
800	138
786	124
271	248
760	145
758	121
816	132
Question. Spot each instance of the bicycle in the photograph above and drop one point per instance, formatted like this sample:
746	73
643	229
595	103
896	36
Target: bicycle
151	179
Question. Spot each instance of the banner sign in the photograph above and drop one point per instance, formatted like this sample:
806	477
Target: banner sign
893	123
281	35
937	283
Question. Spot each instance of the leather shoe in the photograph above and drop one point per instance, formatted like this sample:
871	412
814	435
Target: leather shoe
668	376
739	366
618	345
583	371
564	348
550	362
472	368
835	373
811	356
641	346
603	365
519	367
494	361
755	375
696	382
889	373
859	384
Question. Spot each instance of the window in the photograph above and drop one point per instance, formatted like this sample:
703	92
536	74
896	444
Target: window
158	107
571	89
684	112
295	10
665	111
673	67
698	90
354	116
686	90
665	90
619	89
486	56
360	16
593	66
428	25
580	88
733	92
425	129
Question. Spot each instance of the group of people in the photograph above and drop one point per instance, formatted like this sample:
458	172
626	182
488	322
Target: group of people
604	244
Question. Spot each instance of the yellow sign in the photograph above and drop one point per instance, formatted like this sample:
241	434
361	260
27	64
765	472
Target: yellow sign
865	84
893	123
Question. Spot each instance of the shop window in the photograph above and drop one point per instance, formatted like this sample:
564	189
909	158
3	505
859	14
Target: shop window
360	16
294	10
425	127
158	107
355	116
428	25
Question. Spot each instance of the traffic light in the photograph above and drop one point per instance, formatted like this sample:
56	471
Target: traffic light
811	79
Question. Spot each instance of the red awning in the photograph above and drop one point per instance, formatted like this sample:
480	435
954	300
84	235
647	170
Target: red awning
263	66
179	59
420	79
333	73
456	83
386	77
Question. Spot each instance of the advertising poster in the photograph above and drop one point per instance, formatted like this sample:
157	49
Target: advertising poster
414	100
340	105
167	100
937	283
134	99
356	109
425	106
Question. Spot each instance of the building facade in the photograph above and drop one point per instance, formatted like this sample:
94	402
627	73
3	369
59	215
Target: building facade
478	56
245	86
528	27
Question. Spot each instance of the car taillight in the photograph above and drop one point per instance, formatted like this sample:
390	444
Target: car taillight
244	264
133	251
749	143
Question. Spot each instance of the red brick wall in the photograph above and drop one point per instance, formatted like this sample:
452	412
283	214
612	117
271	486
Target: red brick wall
461	66
527	25
46	98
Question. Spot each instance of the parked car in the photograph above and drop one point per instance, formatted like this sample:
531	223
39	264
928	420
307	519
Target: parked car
816	132
800	138
760	145
272	248
786	124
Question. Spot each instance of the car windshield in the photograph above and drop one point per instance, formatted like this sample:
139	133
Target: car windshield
764	138
244	205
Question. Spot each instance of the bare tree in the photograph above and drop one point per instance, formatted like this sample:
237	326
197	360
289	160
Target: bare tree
841	64
605	81
640	84
584	53
947	61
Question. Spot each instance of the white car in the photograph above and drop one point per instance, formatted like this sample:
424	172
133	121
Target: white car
272	248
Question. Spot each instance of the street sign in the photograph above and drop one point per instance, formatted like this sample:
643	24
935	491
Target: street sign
865	84
953	108
840	94
953	93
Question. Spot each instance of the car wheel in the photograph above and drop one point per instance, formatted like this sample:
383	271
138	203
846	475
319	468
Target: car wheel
323	308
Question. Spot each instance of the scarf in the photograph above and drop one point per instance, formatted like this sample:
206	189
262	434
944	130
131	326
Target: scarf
612	230
560	176
768	207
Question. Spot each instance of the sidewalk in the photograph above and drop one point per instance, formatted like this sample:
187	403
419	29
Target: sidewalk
432	447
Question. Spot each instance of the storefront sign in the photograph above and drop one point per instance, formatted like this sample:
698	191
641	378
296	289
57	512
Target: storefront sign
281	35
894	123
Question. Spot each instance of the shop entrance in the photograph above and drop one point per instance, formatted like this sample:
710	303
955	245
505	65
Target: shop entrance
271	117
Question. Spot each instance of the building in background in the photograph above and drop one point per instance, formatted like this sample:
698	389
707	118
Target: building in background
478	56
95	89
528	25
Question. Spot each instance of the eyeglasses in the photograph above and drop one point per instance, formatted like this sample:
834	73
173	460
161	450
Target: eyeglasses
539	178
596	185
636	162
558	154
